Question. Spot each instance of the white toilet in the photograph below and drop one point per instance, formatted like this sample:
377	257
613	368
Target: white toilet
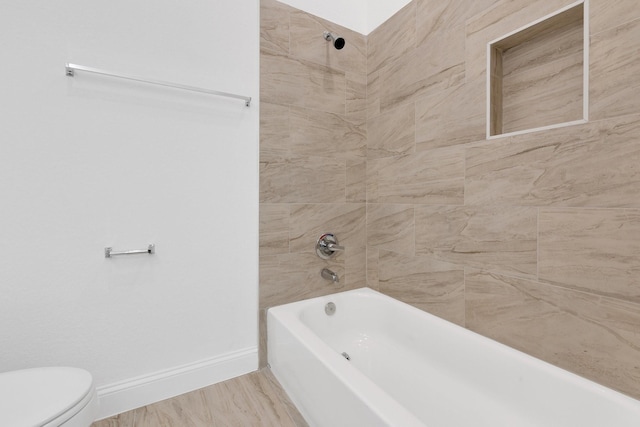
47	397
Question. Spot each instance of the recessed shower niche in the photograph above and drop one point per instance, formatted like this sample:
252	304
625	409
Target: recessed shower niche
538	75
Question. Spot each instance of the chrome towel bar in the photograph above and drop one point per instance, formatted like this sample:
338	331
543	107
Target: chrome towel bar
72	68
151	249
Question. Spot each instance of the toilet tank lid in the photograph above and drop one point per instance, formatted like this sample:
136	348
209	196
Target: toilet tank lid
39	395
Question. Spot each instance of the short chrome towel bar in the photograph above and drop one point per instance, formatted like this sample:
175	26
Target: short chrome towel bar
151	249
72	68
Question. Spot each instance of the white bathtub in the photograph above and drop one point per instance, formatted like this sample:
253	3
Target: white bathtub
408	369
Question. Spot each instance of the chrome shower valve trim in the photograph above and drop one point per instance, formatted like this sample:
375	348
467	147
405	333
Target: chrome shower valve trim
327	246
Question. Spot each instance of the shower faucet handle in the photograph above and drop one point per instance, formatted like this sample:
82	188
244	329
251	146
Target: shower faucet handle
327	246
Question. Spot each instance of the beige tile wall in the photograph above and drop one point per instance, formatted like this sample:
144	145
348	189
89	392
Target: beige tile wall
541	67
532	240
313	152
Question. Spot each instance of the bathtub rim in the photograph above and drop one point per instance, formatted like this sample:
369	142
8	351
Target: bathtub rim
291	312
377	400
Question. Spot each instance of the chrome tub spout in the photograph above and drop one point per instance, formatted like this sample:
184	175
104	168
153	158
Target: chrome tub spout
329	275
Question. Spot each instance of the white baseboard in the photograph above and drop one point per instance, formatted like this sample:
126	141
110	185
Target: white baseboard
140	391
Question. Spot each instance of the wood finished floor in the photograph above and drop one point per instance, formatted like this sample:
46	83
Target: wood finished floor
255	399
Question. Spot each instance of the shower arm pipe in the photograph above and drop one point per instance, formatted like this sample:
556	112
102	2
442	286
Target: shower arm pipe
72	68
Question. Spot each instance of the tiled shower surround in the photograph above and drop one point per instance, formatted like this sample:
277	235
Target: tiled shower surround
533	240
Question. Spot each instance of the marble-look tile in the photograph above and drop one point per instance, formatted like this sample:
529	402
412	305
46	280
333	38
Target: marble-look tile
435	18
308	43
451	116
287	80
544	95
275	139
542	79
274	26
542	76
317	180
392	133
606	14
428	284
615	71
591	249
373	255
475	65
501	239
438	62
313	154
501	18
356	185
355	270
505	16
356	98
309	221
320	134
274	181
428	177
593	336
587	165
274	228
592	165
393	39
424	71
545	43
294	277
373	94
303	180
391	227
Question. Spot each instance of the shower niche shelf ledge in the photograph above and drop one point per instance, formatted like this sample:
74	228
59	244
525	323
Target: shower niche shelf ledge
537	76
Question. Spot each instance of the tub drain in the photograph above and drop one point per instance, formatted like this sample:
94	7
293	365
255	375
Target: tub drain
346	355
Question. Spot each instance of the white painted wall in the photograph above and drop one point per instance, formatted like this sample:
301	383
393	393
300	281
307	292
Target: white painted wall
91	161
362	16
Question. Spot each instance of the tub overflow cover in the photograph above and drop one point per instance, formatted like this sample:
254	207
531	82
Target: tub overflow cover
330	309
